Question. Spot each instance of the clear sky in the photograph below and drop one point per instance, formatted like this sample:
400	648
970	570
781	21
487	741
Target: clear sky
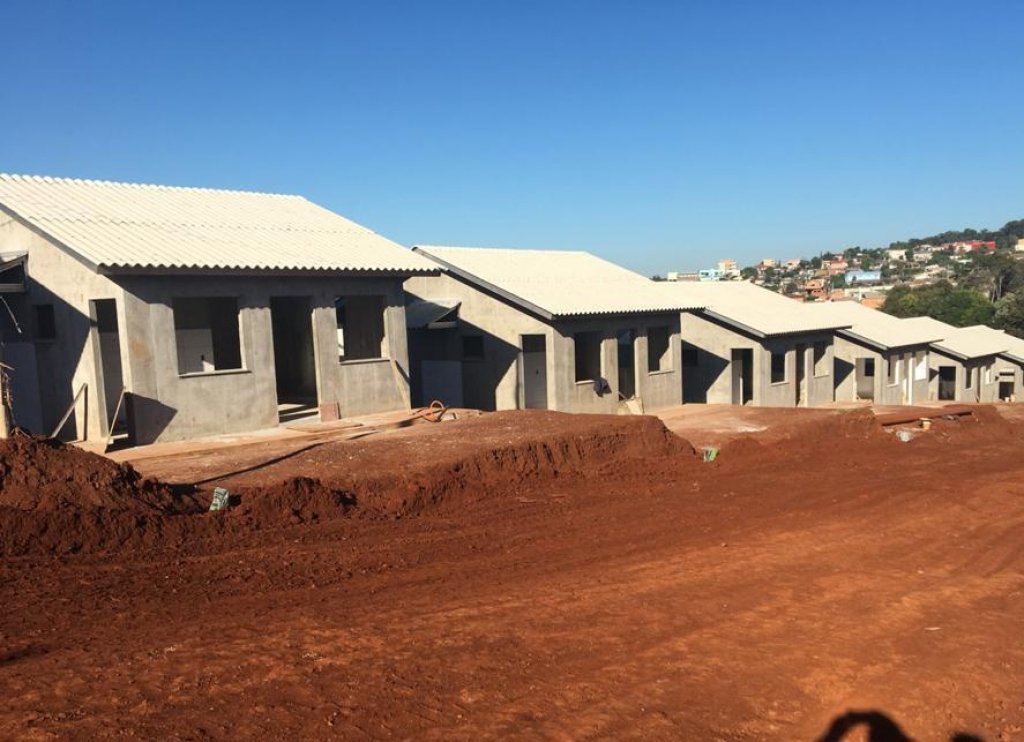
661	135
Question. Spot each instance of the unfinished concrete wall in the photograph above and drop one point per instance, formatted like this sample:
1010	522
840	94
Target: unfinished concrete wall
912	383
976	379
493	382
168	405
710	380
72	357
1012	373
657	389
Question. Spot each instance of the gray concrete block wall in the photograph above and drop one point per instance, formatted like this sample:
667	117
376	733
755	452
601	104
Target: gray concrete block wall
64	364
981	391
170	406
1011	371
916	389
504	324
715	342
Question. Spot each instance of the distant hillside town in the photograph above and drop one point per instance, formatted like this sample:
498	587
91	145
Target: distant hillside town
981	272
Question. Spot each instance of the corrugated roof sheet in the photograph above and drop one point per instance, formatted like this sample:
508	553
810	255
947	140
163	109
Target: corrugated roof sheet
557	283
874	326
123	226
1015	349
752	308
965	342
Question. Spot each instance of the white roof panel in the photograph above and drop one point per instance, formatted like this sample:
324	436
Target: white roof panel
965	342
557	283
752	308
874	326
123	226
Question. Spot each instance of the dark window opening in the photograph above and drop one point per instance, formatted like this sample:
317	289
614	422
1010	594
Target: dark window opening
360	323
588	355
658	356
206	334
472	347
869	366
45	322
778	367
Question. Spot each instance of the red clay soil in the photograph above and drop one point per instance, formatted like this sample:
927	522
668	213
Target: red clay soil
535	575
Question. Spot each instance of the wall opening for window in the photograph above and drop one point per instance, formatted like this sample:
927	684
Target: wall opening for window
45	322
778	366
658	356
820	364
206	334
472	347
969	383
360	322
588	355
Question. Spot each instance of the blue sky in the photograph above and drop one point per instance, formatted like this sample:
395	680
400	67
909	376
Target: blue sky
661	135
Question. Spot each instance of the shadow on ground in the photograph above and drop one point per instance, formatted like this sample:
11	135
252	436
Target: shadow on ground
880	728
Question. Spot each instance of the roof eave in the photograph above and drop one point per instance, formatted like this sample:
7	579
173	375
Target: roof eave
141	270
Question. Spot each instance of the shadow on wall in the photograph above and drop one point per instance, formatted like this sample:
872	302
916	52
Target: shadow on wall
879	727
481	363
153	413
842	372
58	333
698	379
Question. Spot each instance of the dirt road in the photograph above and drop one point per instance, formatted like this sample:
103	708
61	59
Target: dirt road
544	576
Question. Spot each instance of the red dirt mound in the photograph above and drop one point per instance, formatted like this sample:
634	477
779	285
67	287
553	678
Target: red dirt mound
45	474
597	444
58	499
298	500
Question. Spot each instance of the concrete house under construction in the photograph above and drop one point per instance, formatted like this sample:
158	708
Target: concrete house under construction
181	312
963	362
512	329
750	346
879	358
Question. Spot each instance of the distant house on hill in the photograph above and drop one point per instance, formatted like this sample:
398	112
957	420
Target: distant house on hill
863	277
173	313
751	346
503	329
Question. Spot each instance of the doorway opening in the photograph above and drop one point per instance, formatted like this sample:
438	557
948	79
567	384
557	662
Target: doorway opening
110	384
1006	391
947	383
626	343
291	319
742	376
535	372
865	376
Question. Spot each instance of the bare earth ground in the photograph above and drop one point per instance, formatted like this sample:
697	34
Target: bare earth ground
535	575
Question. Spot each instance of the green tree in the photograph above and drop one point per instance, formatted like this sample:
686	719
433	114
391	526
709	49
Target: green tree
1009	314
943	301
